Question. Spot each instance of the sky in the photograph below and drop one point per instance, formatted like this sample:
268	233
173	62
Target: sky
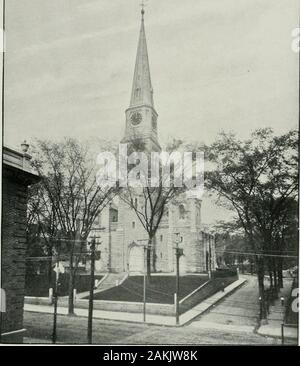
215	65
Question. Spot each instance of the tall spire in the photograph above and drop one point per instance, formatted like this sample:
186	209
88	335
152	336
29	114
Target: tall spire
142	92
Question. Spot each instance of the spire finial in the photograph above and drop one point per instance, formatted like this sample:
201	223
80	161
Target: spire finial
143	5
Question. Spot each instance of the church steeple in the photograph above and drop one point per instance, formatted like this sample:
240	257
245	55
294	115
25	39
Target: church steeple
141	116
142	92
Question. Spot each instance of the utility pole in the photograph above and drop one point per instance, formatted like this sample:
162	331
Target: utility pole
92	285
91	297
178	254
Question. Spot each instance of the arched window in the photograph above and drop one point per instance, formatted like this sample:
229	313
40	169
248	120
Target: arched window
113	215
181	212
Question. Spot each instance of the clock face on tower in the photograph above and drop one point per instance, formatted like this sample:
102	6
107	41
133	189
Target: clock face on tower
136	118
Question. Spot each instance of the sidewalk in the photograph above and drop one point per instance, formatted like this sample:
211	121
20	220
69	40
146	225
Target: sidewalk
276	317
210	302
138	317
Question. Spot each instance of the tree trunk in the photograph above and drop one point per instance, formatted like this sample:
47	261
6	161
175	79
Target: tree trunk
149	249
275	280
271	278
280	275
154	258
71	287
251	267
260	277
49	273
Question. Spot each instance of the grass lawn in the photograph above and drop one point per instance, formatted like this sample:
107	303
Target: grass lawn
161	289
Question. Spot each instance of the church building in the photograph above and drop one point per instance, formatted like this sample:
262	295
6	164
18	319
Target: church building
121	239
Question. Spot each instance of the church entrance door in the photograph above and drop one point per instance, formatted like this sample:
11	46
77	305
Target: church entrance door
136	259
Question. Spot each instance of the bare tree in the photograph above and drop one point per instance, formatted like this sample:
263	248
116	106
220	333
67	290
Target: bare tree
72	195
150	202
256	178
42	225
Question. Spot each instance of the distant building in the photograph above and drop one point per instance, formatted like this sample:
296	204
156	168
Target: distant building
120	249
16	177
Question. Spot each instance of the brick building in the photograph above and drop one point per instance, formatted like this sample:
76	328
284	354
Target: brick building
120	247
16	177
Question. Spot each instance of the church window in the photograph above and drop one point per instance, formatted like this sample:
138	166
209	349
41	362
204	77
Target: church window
113	215
161	238
181	239
135	202
133	224
181	212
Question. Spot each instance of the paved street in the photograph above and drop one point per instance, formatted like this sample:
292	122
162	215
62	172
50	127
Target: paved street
73	330
232	321
240	309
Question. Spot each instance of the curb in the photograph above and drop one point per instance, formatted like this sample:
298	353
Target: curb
274	335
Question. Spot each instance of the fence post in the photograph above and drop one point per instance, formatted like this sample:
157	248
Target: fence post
282	334
74	295
51	295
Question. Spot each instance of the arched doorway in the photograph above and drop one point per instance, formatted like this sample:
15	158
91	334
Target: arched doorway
136	258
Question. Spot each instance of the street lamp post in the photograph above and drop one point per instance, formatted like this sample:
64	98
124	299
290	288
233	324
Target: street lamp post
146	248
178	254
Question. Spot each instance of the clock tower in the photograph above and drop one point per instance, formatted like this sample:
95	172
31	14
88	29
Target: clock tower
141	116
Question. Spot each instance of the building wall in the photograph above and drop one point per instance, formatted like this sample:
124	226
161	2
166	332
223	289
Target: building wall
119	244
14	200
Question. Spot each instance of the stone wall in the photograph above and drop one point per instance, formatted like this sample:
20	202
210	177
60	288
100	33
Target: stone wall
184	217
124	306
